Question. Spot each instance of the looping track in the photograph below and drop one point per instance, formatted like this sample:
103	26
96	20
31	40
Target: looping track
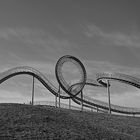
87	101
62	82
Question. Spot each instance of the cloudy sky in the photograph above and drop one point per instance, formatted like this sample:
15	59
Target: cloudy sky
104	35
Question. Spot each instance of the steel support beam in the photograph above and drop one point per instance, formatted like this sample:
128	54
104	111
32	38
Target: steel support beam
59	96
32	103
81	100
55	101
108	91
69	103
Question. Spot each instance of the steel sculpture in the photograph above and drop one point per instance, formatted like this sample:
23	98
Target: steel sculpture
73	90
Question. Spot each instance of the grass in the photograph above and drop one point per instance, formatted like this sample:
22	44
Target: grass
25	122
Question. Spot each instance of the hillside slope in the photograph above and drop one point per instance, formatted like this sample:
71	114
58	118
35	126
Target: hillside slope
18	121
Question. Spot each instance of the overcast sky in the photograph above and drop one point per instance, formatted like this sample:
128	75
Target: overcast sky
104	35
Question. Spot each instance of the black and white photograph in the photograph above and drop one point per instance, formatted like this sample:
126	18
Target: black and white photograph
69	70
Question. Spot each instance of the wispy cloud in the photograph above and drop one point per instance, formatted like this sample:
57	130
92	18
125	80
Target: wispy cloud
128	99
113	38
36	37
19	33
20	45
94	67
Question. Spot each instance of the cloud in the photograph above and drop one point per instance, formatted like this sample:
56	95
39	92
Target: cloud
94	67
21	46
128	99
20	33
112	38
36	38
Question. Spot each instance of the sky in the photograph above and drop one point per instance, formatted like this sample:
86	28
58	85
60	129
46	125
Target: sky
104	35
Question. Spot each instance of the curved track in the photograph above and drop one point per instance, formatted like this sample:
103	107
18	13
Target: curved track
101	78
33	72
87	101
127	79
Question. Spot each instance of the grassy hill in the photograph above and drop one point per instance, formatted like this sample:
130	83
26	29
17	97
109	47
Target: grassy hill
25	122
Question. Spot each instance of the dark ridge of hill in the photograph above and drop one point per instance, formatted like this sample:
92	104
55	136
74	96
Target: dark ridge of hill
26	122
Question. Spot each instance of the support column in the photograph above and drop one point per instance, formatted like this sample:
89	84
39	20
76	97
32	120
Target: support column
32	103
59	95
55	101
108	91
81	100
69	103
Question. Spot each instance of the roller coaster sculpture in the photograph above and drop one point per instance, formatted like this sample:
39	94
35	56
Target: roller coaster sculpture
74	91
